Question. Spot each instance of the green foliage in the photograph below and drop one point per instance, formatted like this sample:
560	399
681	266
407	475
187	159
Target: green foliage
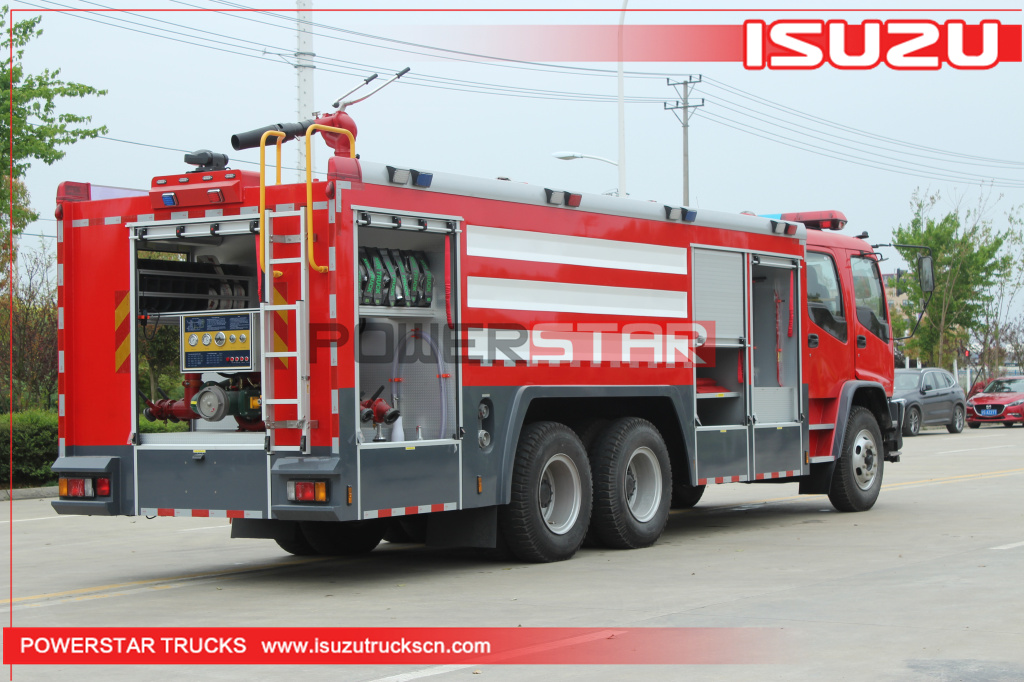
35	448
40	130
146	426
969	262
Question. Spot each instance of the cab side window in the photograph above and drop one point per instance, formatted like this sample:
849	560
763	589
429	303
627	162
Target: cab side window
824	295
869	296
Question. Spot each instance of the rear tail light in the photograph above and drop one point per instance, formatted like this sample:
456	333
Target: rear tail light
83	487
76	487
307	491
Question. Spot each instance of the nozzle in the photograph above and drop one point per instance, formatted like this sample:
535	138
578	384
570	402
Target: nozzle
251	139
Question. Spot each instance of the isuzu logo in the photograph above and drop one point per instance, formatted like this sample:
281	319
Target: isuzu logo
899	44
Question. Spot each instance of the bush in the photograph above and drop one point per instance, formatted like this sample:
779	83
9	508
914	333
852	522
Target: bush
35	448
146	426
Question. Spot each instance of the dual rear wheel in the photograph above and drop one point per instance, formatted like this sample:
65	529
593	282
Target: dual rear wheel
621	492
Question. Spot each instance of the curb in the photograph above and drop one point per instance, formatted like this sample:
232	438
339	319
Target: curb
29	493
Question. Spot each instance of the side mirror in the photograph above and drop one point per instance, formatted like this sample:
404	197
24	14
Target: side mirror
926	274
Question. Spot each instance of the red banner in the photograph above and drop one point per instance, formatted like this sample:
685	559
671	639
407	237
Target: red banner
390	646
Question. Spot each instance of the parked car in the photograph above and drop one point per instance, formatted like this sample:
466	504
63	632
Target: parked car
1001	402
933	397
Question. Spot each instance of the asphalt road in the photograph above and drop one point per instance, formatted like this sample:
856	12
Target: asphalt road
928	585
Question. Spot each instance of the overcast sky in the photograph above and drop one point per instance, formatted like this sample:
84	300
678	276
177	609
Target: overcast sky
766	141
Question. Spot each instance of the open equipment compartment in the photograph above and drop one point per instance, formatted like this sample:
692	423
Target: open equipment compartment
407	372
203	286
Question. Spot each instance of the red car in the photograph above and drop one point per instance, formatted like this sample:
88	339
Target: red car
1002	401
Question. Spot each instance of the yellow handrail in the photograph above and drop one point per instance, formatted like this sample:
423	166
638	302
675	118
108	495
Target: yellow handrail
263	185
309	184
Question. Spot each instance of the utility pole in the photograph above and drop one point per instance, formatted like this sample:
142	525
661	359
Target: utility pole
684	118
622	107
304	73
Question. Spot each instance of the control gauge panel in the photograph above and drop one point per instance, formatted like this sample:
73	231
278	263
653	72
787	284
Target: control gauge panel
223	341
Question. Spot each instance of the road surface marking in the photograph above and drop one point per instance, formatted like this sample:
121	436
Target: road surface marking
993	447
41	518
156	582
1013	545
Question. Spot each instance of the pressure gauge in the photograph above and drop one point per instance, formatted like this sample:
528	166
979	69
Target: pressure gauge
220	339
207	339
242	338
193	339
231	338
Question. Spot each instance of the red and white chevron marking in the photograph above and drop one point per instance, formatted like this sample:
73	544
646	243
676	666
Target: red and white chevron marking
203	513
721	479
409	511
776	474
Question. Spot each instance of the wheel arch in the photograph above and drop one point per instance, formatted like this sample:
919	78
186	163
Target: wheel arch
669	408
870	395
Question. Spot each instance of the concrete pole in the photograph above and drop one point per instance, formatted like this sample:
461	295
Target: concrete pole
622	108
686	144
304	74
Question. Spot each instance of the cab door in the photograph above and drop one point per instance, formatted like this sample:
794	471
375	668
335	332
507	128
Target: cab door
872	334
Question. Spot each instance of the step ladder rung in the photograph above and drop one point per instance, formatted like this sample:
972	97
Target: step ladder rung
281	354
280	401
279	261
281	306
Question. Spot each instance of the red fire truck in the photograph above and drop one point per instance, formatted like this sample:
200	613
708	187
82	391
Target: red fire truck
475	362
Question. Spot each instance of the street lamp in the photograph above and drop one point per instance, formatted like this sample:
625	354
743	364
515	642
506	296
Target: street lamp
569	156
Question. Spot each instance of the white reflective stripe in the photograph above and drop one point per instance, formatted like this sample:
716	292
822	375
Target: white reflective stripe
60	274
539	247
183	512
370	515
332	305
218	513
450	506
332	262
398	511
423	509
82	222
60	405
147	511
282	208
319	205
334	402
253	514
520	294
60	361
334	354
60	447
112	220
60	318
335	445
819	460
214	212
179	215
146	217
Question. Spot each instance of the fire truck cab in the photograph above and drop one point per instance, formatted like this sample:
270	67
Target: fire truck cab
470	362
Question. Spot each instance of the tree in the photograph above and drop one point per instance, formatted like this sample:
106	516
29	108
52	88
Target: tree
969	262
39	130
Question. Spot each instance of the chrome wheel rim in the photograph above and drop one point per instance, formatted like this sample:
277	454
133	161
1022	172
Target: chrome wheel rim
915	421
864	459
642	484
559	494
959	419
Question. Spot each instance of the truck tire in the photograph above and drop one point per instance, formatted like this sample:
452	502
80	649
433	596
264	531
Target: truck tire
686	496
295	543
857	476
957	425
548	516
348	538
912	421
632	484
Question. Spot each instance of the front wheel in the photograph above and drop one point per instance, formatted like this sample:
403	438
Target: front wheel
632	484
957	425
548	515
912	422
857	477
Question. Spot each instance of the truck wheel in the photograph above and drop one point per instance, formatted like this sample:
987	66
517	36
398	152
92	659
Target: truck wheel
686	496
957	425
295	543
632	484
912	421
548	516
857	477
336	538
